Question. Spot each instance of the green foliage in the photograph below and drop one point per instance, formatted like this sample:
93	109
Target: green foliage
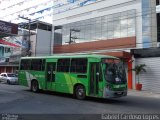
138	69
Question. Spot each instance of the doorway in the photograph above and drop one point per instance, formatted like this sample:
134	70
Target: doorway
50	75
94	78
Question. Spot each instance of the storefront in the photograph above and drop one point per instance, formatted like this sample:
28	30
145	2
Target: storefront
151	58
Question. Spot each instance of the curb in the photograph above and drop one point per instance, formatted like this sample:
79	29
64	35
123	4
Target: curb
143	93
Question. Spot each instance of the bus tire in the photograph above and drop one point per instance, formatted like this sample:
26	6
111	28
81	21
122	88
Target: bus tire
80	92
34	86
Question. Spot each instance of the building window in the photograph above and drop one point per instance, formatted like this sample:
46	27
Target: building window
111	26
7	50
157	2
158	27
146	26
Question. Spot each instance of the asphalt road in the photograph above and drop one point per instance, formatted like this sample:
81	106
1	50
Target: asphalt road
15	99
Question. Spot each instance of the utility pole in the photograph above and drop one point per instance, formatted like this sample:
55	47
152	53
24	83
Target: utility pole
71	37
29	39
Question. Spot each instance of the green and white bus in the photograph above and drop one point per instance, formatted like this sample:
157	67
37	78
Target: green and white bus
81	75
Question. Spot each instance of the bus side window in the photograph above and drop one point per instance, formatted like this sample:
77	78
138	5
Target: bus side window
22	65
36	64
78	65
25	64
43	65
63	65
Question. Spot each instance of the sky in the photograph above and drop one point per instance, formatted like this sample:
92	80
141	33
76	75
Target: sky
42	10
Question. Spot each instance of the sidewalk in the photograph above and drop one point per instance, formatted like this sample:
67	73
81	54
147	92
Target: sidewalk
143	93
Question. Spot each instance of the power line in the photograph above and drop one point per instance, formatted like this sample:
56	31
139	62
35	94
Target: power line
23	9
133	16
78	7
138	14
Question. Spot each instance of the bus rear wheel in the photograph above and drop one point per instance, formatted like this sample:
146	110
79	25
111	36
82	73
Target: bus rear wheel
80	92
34	86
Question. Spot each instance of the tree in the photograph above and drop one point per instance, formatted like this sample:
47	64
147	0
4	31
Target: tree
138	69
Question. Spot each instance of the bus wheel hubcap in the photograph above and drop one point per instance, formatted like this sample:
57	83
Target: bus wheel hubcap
34	87
80	92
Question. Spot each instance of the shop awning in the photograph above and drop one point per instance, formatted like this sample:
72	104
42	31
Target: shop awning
8	43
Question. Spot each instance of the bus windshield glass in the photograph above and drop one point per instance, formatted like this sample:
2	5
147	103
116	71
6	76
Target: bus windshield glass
114	71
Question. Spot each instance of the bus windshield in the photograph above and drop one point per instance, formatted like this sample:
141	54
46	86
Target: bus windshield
114	71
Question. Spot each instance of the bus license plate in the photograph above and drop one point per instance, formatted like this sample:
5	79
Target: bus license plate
119	93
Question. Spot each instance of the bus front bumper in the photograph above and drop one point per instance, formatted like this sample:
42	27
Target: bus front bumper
114	94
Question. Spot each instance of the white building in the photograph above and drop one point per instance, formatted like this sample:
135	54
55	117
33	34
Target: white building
111	27
111	19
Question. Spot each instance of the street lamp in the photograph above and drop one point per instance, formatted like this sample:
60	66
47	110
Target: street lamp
29	41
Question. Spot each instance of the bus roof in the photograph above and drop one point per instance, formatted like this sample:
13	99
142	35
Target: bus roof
72	56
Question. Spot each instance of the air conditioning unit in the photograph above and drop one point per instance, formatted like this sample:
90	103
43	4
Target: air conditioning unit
158	44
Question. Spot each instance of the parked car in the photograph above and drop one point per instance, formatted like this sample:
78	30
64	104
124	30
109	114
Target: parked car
9	78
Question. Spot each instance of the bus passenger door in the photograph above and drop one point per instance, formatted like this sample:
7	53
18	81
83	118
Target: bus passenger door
94	79
50	75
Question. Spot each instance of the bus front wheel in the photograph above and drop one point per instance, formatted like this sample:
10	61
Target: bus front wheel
34	86
80	92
